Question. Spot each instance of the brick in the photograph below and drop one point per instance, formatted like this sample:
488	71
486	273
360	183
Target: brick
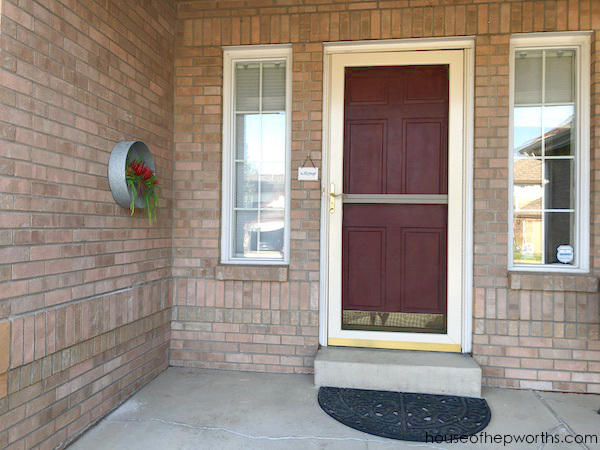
4	345
546	375
3	385
586	377
521	374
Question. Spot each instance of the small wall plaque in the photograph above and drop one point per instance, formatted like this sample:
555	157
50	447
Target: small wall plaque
307	173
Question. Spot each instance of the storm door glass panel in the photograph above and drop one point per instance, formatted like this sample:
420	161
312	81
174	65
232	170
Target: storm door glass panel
395	251
544	152
260	160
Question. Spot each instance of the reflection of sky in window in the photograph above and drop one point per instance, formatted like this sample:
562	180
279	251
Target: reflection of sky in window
555	116
273	137
528	122
268	129
251	139
525	197
528	125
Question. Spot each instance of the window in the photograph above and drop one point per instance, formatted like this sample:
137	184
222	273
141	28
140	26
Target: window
549	154
256	148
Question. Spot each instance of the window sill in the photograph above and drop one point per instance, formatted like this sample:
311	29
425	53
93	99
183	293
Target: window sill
251	272
562	282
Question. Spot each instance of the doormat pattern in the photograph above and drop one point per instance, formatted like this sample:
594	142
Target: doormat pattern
406	416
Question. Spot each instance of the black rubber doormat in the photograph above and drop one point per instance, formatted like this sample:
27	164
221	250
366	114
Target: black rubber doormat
406	416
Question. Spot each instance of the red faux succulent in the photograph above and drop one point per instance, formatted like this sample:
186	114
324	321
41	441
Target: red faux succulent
142	181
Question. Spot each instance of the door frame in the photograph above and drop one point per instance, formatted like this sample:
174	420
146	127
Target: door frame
357	51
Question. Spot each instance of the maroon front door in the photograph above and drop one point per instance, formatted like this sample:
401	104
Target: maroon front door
394	242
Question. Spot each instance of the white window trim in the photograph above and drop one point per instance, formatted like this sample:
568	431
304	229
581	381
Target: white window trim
580	41
232	55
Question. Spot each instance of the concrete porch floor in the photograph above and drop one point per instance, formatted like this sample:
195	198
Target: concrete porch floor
208	409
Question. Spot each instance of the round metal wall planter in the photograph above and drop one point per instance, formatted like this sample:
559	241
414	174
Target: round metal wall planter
122	154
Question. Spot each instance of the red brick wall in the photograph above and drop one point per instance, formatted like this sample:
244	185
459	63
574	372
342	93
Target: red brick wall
85	288
243	323
525	337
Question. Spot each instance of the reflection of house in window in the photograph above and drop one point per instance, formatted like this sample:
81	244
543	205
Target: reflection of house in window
271	228
528	203
557	142
543	181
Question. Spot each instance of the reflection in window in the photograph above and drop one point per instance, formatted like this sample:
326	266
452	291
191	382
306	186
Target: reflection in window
544	155
260	160
528	235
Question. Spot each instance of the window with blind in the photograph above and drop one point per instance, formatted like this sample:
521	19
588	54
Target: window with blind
550	156
256	157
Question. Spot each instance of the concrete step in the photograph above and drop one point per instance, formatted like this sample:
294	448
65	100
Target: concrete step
398	370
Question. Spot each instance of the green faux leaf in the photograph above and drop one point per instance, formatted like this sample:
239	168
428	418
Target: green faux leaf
145	189
133	191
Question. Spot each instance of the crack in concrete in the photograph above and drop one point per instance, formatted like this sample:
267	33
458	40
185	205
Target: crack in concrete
267	438
556	429
562	424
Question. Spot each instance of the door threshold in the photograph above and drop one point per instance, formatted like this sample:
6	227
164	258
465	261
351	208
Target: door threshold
393	345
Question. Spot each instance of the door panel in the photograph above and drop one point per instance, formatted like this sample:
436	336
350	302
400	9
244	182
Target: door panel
395	142
413	130
368	90
425	84
365	164
365	265
423	270
425	168
404	270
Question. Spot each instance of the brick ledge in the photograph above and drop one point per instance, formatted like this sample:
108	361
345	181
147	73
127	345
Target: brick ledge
552	282
251	273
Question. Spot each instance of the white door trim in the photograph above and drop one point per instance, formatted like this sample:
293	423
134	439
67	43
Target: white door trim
467	46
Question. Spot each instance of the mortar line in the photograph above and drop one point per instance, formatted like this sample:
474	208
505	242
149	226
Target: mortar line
43	309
